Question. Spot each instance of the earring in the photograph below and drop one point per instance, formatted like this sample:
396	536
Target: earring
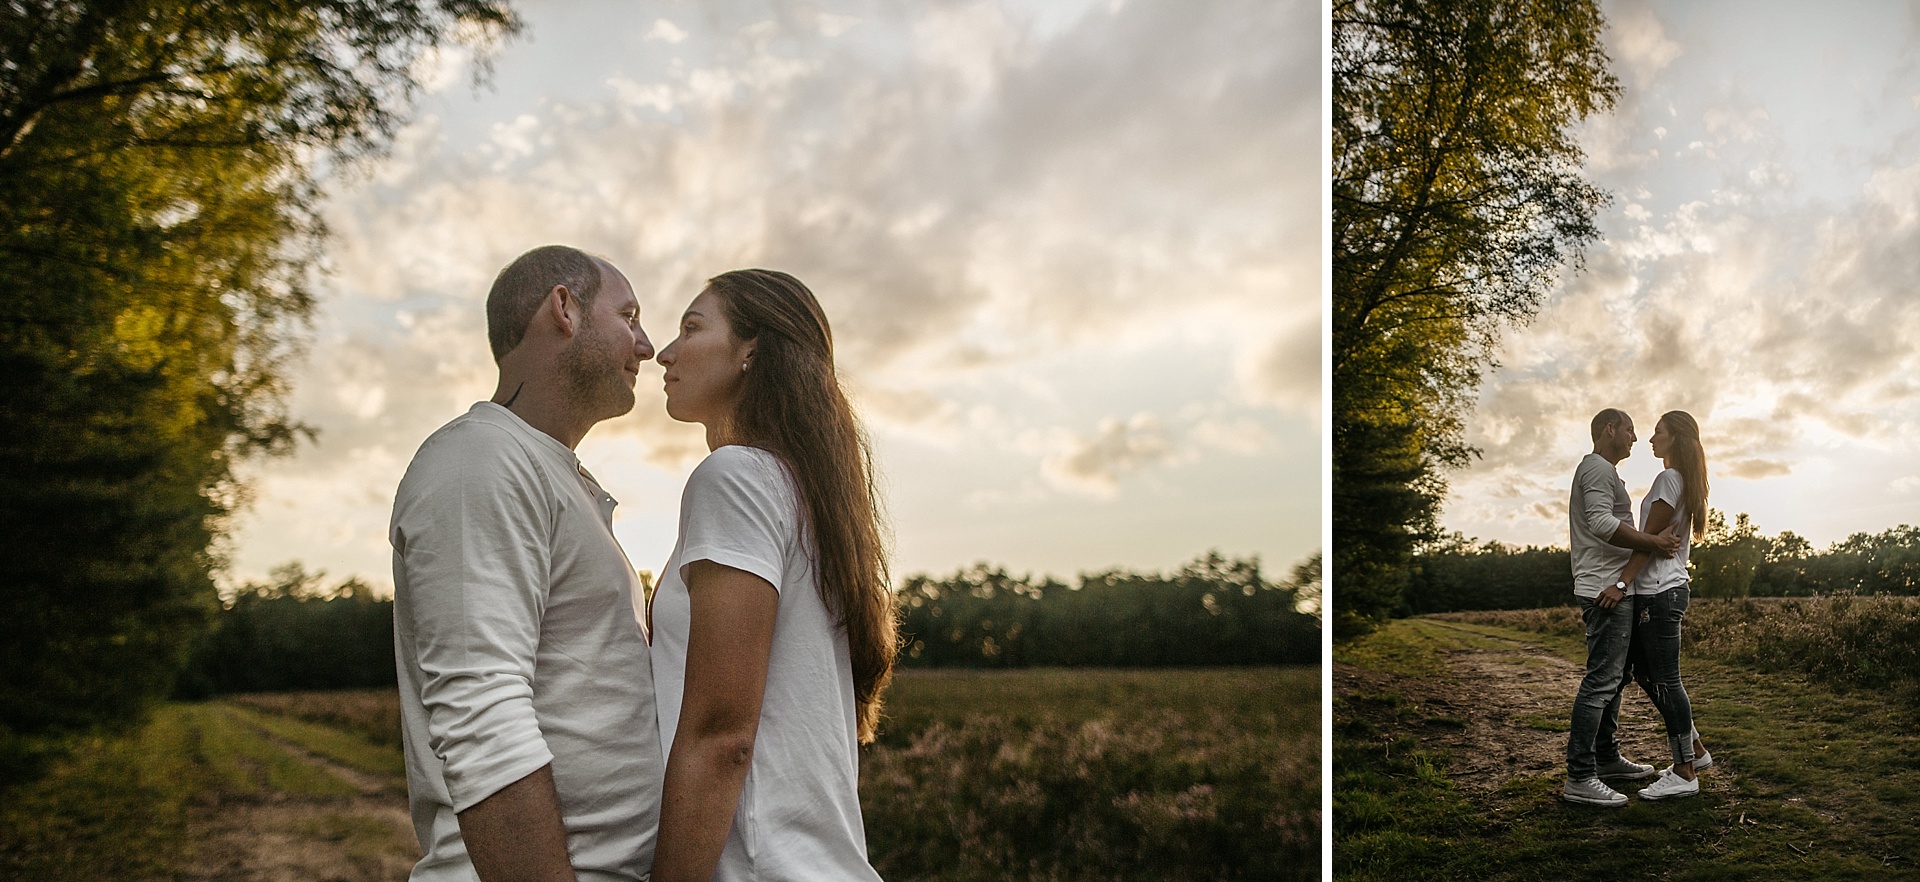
743	367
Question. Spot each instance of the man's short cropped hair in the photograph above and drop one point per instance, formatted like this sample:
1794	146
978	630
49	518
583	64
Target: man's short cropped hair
1609	417
520	289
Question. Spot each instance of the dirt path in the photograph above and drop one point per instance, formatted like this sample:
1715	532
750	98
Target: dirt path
365	837
1504	713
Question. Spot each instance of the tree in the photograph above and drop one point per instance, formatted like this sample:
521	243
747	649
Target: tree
159	163
1457	200
295	632
1723	563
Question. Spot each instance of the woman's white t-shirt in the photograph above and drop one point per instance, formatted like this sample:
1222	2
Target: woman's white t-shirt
1662	573
799	813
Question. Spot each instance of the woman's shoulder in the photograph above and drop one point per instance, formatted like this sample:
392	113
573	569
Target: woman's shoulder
738	458
741	468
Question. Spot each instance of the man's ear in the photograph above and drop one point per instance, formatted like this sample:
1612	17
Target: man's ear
557	305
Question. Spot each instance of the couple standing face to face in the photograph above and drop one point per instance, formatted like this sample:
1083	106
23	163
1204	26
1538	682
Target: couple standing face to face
1615	442
587	340
531	722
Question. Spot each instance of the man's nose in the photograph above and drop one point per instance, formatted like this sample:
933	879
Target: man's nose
641	345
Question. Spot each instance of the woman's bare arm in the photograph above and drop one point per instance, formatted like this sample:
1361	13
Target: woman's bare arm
729	642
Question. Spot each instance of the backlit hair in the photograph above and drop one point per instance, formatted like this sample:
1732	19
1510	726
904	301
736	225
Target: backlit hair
1690	459
520	289
791	405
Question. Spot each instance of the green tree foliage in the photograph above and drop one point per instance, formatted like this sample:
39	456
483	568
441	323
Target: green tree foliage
158	167
1213	611
294	632
1463	574
1457	200
1724	561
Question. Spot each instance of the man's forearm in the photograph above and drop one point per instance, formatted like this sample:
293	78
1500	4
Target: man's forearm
1625	536
517	832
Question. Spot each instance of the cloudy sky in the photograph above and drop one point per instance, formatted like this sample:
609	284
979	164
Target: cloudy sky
1761	270
1070	250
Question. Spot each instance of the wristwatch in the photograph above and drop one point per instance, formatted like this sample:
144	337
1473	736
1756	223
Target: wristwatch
1621	585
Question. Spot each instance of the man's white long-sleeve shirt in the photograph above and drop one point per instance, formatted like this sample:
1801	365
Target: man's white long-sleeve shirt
1596	508
517	646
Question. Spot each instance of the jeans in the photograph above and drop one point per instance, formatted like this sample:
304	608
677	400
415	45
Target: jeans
1657	668
1593	739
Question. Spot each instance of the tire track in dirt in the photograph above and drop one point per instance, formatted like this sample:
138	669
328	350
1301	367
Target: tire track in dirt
280	837
1504	713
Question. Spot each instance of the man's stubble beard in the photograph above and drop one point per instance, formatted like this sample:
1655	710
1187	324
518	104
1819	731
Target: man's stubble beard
595	375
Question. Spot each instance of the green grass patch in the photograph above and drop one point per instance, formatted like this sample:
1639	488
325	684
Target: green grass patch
1548	724
347	748
1412	650
115	808
1823	786
245	762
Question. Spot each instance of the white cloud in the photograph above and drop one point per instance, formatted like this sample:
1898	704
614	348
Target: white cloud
1094	464
665	31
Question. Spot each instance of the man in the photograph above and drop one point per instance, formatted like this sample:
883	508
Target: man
1602	538
526	690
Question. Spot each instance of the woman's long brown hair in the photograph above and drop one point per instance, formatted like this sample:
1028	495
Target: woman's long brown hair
1690	459
791	405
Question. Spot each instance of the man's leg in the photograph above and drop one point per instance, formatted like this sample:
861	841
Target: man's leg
1606	742
1597	704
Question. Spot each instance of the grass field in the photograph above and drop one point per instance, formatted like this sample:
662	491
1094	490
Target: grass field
1045	774
1816	776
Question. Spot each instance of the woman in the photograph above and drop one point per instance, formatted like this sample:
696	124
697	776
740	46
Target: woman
1660	588
773	629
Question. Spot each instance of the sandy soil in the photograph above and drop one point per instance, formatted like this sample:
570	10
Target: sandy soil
366	837
1522	687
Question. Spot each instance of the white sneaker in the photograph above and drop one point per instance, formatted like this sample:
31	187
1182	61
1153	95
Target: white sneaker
1625	768
1703	761
1591	792
1670	786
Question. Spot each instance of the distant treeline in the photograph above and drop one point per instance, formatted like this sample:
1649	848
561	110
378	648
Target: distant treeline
1732	561
1213	611
294	632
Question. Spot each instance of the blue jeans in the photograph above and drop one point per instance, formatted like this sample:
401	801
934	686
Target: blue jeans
1657	665
1593	739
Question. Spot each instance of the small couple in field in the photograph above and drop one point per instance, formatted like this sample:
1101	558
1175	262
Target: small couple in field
558	724
1633	592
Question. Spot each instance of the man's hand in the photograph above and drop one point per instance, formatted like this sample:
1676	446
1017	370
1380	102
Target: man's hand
1669	542
1610	598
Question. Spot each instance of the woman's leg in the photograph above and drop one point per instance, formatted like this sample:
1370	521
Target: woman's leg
1659	637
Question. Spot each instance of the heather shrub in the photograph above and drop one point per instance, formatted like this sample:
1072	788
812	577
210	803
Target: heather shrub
1161	794
1867	642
